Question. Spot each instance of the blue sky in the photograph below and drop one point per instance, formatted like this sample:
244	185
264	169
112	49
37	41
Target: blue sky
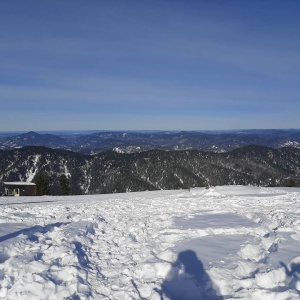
181	65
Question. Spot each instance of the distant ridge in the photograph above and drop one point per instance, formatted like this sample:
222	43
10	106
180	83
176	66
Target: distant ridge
137	141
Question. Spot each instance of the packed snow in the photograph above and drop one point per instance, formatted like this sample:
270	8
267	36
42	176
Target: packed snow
231	242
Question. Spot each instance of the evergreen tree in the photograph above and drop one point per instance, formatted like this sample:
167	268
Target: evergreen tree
64	185
291	183
42	184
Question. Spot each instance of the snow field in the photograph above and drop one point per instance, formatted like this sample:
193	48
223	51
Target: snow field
222	243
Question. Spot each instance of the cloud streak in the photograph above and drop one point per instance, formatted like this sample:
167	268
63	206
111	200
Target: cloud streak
159	58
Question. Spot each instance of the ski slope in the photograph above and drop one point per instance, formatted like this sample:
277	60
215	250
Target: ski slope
231	242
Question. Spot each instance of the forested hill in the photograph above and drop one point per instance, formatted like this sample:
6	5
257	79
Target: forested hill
110	172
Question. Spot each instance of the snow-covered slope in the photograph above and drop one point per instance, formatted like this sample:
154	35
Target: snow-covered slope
238	242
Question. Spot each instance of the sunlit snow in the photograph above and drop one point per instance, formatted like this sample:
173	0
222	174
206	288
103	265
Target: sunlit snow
234	242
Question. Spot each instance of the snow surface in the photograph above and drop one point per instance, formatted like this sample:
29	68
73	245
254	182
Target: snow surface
234	242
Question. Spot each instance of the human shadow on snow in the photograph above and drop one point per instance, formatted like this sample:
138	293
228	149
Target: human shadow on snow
188	280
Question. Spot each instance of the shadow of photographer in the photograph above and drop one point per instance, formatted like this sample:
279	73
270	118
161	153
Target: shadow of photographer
188	280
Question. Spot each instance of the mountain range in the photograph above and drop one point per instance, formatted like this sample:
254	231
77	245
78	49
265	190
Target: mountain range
138	141
111	172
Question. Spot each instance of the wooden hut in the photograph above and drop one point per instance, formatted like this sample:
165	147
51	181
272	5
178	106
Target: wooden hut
19	189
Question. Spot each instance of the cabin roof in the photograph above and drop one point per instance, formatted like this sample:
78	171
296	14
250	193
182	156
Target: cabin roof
19	183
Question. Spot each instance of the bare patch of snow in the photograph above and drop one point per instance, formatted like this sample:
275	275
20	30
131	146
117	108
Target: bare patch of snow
33	170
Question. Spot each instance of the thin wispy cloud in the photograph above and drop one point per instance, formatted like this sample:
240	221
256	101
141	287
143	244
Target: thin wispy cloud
133	59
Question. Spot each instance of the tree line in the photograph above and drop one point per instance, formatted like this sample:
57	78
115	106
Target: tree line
43	188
